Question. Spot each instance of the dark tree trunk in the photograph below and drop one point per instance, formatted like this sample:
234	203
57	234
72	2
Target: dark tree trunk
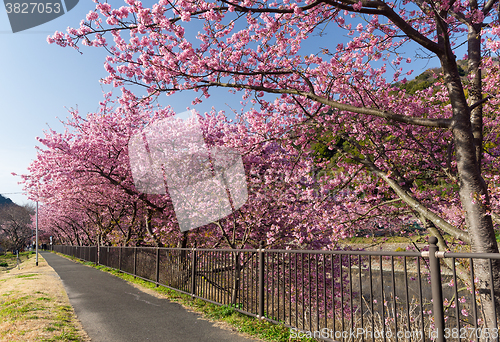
236	280
473	190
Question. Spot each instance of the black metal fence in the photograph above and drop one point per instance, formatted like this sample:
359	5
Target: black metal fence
329	295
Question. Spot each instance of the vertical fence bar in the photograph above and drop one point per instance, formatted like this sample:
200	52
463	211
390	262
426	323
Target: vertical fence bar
261	280
205	257
228	281
232	257
474	302
157	266
193	271
296	290
370	284
382	298
218	290
341	259
394	305
437	290
309	281
420	299
278	255
317	291
270	312
361	295
493	300
267	263
407	296
210	267
210	275
135	261
253	295
351	306
457	302
290	279
325	304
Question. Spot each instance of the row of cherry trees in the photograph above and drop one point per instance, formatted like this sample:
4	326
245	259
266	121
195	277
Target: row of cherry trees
332	101
329	139
83	178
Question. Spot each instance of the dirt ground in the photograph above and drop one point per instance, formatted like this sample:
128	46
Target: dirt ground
34	305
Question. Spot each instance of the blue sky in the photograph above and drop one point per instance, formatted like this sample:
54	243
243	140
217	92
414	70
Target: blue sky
37	82
40	82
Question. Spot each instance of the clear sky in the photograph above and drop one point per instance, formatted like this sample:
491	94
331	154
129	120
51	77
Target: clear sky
40	82
37	82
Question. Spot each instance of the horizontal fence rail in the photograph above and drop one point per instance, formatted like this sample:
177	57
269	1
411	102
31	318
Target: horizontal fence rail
328	295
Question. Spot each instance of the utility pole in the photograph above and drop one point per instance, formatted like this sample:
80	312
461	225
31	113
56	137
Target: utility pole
36	251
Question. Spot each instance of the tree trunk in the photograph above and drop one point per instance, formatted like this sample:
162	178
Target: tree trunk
149	228
182	243
473	190
236	280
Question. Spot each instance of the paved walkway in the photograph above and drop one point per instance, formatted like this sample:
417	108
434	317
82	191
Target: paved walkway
112	310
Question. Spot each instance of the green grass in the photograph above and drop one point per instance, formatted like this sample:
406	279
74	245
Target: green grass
27	308
36	309
63	324
18	308
245	324
387	239
9	260
9	255
26	276
63	336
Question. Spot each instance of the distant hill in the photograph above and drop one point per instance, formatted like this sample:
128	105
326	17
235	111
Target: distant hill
426	79
5	200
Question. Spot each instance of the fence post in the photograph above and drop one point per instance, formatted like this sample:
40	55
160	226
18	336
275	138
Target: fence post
193	270
135	260
437	290
107	256
157	266
119	258
261	280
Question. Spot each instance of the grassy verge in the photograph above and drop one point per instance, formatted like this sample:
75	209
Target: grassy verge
33	303
9	261
234	320
388	239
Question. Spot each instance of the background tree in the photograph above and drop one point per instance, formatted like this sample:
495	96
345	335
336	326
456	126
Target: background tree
15	226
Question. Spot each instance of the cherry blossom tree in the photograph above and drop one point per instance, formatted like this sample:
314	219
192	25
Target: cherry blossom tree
430	151
90	198
84	179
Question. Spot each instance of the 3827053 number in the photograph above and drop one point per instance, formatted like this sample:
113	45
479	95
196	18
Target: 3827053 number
471	333
32	7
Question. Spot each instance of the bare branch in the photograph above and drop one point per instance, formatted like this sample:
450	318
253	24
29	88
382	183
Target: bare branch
478	103
441	123
412	202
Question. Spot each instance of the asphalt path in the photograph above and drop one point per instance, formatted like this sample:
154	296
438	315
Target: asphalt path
112	310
